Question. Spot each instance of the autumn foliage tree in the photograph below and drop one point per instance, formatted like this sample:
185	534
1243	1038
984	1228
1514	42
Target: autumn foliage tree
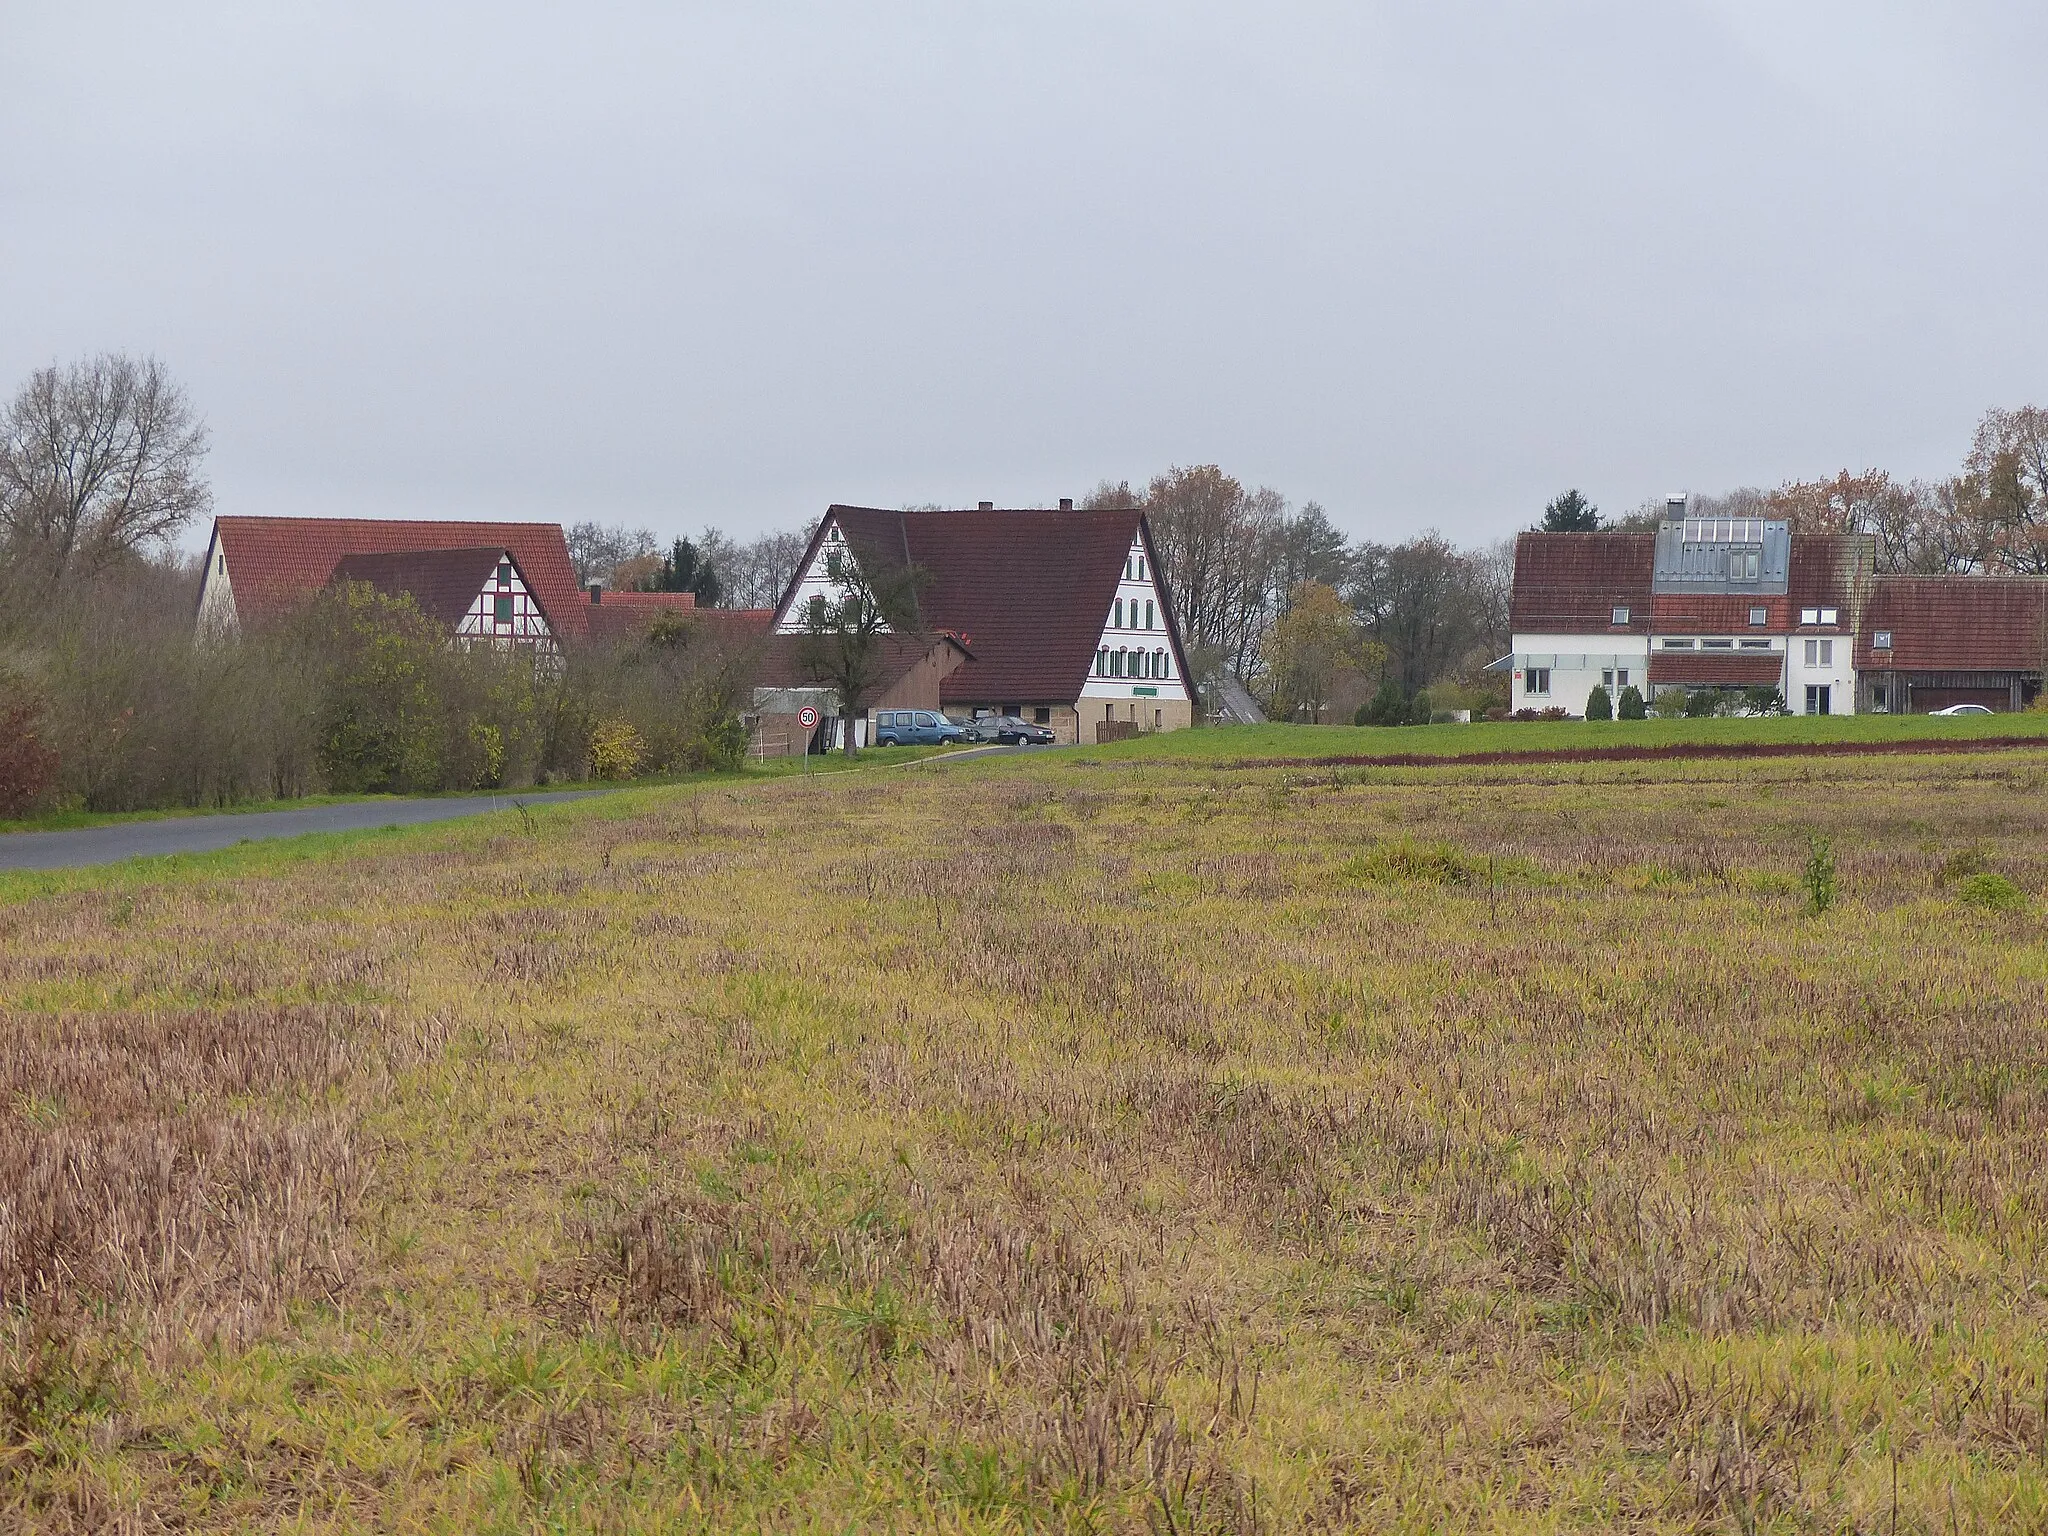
1310	646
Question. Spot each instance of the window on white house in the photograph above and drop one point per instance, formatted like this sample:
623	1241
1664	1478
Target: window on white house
1759	616
1756	645
1165	665
1620	615
1102	662
1809	615
1607	677
504	573
1148	615
1141	567
1621	677
1881	641
1119	620
1675	645
818	608
501	607
1717	645
1536	680
835	564
1820	653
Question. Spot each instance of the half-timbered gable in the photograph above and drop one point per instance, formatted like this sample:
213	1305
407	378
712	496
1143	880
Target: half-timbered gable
1137	665
480	594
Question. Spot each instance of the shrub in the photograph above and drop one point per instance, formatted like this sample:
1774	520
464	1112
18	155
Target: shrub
1525	714
1599	706
1670	703
1632	706
28	765
1764	700
1820	872
1701	703
616	750
1991	891
1388	707
1420	711
381	724
1554	712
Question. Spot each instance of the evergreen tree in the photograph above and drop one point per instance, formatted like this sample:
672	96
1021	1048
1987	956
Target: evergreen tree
1570	513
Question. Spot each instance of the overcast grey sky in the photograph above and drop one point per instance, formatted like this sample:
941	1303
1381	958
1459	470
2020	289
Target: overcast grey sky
681	264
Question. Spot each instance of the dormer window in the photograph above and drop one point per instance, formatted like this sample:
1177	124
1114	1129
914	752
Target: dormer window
1809	615
1620	614
1830	616
1881	641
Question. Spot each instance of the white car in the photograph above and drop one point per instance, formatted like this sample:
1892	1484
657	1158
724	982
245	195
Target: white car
1964	709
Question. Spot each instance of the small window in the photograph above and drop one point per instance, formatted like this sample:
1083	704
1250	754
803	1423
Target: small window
1759	617
1620	615
1717	645
1827	653
1042	714
1148	615
1117	622
1881	641
504	573
1756	645
1829	616
1536	680
501	607
1621	677
1607	677
1141	567
835	565
1165	664
1675	645
1102	662
818	608
1809	615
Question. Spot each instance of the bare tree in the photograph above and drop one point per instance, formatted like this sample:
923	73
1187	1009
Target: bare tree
845	639
98	461
597	550
2008	463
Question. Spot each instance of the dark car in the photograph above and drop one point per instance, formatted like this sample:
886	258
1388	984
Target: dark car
1010	730
914	728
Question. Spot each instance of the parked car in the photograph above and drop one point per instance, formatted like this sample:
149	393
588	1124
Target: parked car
1010	730
1964	709
914	728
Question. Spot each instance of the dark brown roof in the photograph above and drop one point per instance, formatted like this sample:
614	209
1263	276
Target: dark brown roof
781	663
1957	624
444	583
1719	669
276	563
1718	613
1571	583
1830	570
1027	591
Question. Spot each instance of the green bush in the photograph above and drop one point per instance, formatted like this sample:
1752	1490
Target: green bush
1991	891
1388	707
1701	703
1598	705
1632	706
1421	709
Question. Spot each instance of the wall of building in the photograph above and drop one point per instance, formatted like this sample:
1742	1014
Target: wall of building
1833	669
1577	665
1149	714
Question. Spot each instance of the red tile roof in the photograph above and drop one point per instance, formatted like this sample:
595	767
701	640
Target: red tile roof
629	613
1028	590
1831	570
1957	624
276	563
444	583
1716	613
1571	583
1717	669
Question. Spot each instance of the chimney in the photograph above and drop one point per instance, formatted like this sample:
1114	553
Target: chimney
984	506
596	593
1674	504
1066	503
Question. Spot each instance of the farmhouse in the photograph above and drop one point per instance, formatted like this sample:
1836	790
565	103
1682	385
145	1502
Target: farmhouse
259	569
1055	615
1738	602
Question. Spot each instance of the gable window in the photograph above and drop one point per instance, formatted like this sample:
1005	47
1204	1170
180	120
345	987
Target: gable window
1620	614
818	608
501	607
1102	662
1536	680
1881	641
835	565
504	573
1148	615
1759	616
1165	664
1141	567
1118	622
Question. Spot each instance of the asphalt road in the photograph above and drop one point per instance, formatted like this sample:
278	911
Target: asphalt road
198	834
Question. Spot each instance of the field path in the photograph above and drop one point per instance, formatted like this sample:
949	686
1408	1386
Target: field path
82	846
1660	752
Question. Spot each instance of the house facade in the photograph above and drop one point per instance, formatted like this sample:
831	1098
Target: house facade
479	594
1736	602
1057	615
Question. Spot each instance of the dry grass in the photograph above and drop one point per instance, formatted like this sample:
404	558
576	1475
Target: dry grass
1051	1145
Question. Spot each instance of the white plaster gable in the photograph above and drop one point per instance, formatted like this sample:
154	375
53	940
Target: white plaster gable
833	553
488	619
216	592
1135	641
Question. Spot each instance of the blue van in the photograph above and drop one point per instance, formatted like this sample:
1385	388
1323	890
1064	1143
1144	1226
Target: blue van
914	728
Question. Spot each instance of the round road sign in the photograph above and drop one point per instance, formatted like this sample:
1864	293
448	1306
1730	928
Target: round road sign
807	717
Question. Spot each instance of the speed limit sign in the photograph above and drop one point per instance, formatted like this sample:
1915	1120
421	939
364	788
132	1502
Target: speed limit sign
807	717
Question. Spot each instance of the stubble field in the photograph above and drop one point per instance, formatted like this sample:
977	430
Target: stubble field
1056	1143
